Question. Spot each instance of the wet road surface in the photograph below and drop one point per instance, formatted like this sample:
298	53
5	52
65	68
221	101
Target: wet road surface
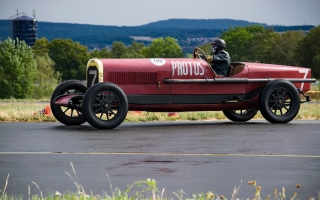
191	156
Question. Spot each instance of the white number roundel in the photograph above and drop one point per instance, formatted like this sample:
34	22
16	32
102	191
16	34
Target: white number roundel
158	61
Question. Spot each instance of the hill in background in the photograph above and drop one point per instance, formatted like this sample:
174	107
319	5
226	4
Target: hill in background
200	23
188	32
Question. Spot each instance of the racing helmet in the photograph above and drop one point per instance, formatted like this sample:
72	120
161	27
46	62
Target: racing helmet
220	43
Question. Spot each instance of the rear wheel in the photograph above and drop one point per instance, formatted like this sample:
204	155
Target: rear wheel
105	106
279	101
71	114
240	115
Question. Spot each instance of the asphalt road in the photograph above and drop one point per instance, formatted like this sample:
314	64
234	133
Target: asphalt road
190	156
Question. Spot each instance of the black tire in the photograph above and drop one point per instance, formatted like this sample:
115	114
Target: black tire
240	115
279	101
105	105
71	115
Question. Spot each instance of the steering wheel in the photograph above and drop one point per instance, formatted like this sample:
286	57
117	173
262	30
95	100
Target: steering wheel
196	55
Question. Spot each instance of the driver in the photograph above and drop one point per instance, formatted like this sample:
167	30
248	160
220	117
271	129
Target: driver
220	60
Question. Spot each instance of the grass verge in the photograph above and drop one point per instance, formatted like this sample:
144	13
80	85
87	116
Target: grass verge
29	111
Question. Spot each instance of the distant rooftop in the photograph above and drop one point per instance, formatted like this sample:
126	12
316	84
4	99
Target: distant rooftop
23	18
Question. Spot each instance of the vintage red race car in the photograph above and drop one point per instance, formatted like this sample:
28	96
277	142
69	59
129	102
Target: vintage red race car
114	86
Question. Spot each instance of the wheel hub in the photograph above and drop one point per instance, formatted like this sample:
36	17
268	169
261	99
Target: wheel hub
280	102
104	105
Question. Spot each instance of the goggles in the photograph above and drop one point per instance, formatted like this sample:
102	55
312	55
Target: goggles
214	49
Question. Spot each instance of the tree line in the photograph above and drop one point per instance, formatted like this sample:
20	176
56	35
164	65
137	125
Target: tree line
35	72
256	43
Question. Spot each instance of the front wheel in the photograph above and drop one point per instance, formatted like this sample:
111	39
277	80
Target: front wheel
105	106
240	115
279	101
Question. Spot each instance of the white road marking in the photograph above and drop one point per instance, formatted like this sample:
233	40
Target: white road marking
158	154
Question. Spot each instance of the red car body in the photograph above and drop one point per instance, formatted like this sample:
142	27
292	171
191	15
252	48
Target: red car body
149	85
181	84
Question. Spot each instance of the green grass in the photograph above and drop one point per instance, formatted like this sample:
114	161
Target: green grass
28	111
23	111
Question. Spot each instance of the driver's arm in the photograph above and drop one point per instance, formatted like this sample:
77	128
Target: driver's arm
210	58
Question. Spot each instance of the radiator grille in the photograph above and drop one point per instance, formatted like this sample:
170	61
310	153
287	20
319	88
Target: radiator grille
132	77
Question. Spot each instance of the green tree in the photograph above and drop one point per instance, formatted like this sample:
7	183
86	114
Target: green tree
94	54
133	51
40	47
307	52
261	47
103	53
239	41
17	69
163	48
46	80
70	58
282	47
118	49
275	48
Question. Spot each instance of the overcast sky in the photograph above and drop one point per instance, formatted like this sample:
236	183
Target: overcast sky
139	12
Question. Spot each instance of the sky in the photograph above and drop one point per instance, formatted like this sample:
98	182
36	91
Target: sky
140	12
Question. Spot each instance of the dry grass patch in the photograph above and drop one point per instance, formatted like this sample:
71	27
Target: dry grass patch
24	112
28	111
